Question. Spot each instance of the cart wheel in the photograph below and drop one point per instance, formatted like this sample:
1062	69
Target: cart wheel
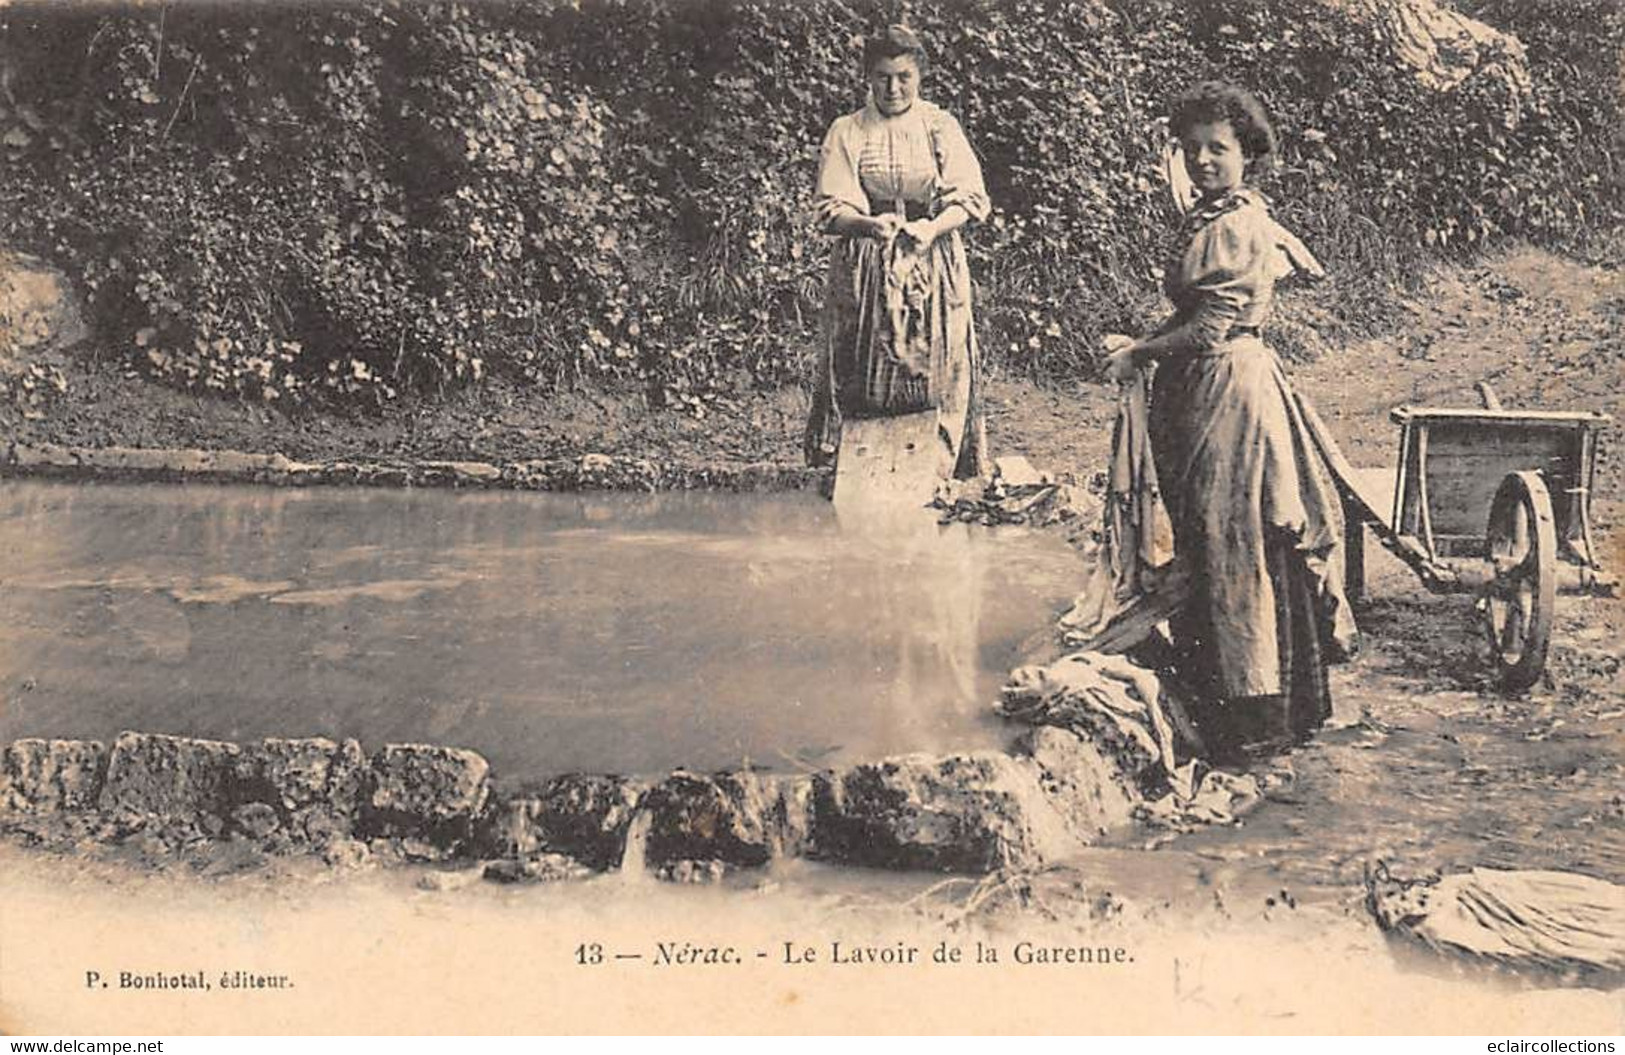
1522	544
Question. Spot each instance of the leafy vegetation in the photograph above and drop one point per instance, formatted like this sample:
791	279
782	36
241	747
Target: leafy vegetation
334	205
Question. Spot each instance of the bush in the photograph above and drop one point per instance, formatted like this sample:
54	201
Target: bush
335	204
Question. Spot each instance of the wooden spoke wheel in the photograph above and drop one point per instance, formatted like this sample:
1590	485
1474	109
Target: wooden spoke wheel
1521	540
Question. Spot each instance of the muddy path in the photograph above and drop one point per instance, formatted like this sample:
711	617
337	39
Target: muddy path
1429	767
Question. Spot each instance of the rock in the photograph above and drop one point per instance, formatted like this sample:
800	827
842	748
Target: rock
603	471
282	844
385	851
290	773
430	792
226	858
506	870
1086	788
255	819
536	868
54	830
314	784
695	872
643	473
173	779
319	826
1444	47
51	775
424	850
386	475
722	818
347	779
442	881
583	816
595	468
151	850
529	475
236	465
459	474
965	813
1013	470
39	309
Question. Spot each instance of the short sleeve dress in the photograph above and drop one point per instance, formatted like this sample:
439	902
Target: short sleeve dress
1256	517
899	331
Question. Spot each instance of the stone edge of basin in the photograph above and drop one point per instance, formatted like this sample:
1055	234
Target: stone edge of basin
589	472
170	800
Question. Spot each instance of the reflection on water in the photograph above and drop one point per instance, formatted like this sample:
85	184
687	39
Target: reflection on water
552	633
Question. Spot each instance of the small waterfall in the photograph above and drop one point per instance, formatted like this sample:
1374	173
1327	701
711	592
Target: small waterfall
788	820
634	858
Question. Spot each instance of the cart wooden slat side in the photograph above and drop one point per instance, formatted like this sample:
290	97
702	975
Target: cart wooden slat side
1453	461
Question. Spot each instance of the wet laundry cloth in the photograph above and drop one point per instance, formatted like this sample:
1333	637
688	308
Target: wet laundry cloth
1107	700
1127	713
1132	583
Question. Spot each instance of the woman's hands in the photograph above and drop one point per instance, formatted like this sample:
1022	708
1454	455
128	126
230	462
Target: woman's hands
887	226
850	223
921	232
884	227
1122	356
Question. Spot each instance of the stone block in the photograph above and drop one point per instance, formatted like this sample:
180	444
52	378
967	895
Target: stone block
727	817
583	816
1086	788
39	308
175	779
976	812
426	791
38	776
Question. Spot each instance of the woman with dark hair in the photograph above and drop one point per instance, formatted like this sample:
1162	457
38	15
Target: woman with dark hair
1257	522
896	181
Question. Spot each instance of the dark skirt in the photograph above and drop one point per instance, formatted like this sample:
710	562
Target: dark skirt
858	376
1238	727
1258	524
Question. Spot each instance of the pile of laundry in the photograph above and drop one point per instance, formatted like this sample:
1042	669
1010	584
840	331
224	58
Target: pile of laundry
1130	715
1549	921
1017	494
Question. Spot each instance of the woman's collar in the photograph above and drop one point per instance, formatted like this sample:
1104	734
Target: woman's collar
1210	207
919	108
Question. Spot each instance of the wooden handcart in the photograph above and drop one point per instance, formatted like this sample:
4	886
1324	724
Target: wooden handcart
1485	501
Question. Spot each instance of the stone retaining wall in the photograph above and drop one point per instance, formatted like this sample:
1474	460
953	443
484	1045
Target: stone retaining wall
178	797
589	472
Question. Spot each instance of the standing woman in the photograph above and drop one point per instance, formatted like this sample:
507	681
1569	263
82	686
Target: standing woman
896	181
1256	519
